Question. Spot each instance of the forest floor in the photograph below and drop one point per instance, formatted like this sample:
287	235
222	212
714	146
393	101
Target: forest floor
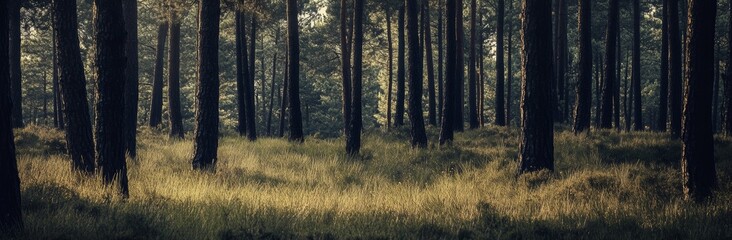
606	185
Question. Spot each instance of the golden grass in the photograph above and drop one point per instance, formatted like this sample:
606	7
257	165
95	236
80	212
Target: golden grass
607	185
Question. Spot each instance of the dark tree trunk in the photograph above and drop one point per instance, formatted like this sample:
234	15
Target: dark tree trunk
562	55
16	91
174	108
110	66
156	106
132	81
353	138
252	53
674	59
451	94
583	105
207	94
697	162
391	66
537	127
628	97
616	91
432	102
481	73
440	66
242	74
400	92
608	87
293	38
663	91
419	137
272	86
283	98
249	88
459	122
58	114
500	68
72	81
637	97
472	70
598	88
345	68
263	84
509	65
728	81
715	105
11	218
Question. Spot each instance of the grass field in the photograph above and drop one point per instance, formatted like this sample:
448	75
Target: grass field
606	185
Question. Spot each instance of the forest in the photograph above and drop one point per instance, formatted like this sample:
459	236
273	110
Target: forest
356	119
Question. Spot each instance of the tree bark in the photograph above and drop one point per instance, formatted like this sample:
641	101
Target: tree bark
58	116
391	66
16	91
728	80
132	81
419	137
401	78
537	127
509	79
472	70
296	133
207	94
432	102
345	67
156	106
440	65
500	68
663	81
110	66
459	123
242	73
674	59
11	218
637	104
353	139
697	161
451	94
251	105
174	108
608	87
583	105
283	99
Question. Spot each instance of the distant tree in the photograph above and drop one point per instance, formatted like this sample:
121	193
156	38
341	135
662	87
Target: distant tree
132	81
207	95
608	87
500	67
387	9
110	65
450	93
637	105
10	209
293	40
509	79
72	84
156	103
174	106
440	63
419	137
345	66
272	85
401	78
353	138
697	162
537	139
16	91
663	80
283	99
432	103
675	74
583	106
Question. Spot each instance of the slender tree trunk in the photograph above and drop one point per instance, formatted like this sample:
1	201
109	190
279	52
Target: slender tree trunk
242	73
419	137
616	91
509	65
563	60
675	65
728	80
451	94
110	64
207	94
537	139
628	95
391	66
57	101
249	88
715	97
440	66
459	121
400	92
637	97
500	68
432	102
293	38
583	106
272	86
353	139
481	73
598	88
473	121
72	85
11	218
156	106
174	108
283	99
663	91
606	118
132	81
16	91
697	161
345	67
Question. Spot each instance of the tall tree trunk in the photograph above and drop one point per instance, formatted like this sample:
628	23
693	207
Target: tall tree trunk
391	66
353	139
293	38
628	95
450	96
72	84
608	88
345	67
110	121
715	97
583	105
481	73
272	86
616	91
537	127
560	57
432	102
283	99
500	68
440	66
419	137
459	122
637	104
57	101
207	94
674	59
728	80
250	89
242	74
400	92
472	70
132	81
598	88
174	109
697	161
509	65
663	90
156	103
16	91
11	218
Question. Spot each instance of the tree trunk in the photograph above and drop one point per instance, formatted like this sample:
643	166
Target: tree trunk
283	98
563	56
432	102
481	73
272	86
537	127
472	70
345	67
637	97
72	84
132	81
663	90
400	92
174	108
11	218
583	105
616	90
353	138
110	121
251	105
608	87
728	81
440	66
674	59
207	94
697	161
156	106
16	91
500	68
598	88
628	95
391	66
460	68
296	134
242	73
451	94
57	100
419	137
509	66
